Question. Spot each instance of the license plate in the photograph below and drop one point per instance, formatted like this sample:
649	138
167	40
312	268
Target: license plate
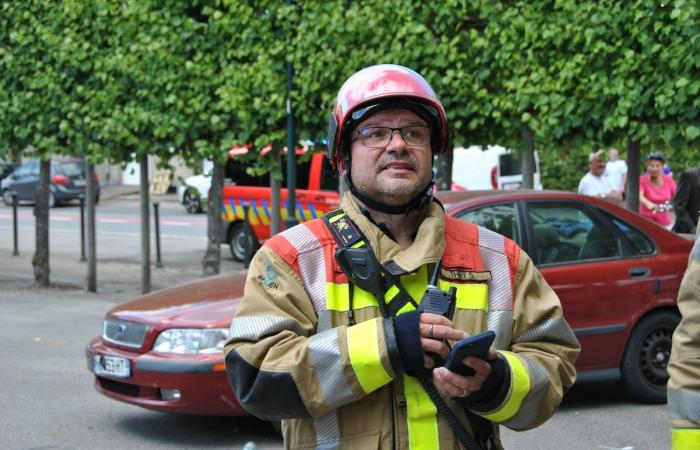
112	366
79	182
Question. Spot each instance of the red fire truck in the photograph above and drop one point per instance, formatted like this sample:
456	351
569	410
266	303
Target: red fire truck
315	195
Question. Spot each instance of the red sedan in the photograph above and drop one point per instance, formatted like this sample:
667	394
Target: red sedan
616	273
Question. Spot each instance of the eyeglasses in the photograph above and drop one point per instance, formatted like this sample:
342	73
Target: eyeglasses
379	137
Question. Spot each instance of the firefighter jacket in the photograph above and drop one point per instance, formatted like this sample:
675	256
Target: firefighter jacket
684	365
293	355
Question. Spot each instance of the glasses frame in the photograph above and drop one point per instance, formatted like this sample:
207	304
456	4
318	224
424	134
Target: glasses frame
359	134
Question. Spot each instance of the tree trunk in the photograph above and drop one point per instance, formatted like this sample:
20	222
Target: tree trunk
276	190
40	261
443	169
145	227
527	159
632	186
91	196
211	262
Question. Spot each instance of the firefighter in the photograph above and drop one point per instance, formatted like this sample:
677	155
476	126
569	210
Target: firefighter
684	365
330	336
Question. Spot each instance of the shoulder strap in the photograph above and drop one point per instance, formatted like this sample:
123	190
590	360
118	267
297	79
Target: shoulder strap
356	258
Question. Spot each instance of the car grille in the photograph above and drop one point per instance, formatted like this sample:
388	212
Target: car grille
128	334
119	388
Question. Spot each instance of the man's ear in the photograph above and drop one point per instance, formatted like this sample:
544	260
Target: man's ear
343	165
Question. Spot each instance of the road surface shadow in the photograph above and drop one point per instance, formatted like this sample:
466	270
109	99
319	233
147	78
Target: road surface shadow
596	395
198	431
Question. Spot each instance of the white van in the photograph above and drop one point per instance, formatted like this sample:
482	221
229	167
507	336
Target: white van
495	167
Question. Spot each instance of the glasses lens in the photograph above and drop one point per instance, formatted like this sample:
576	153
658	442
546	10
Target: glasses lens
375	136
416	135
379	137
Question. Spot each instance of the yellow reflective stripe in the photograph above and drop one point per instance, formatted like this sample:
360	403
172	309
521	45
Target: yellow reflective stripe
422	416
685	438
358	244
363	348
337	298
519	388
416	283
335	217
391	293
469	295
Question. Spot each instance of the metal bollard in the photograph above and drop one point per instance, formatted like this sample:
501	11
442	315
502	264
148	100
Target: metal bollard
156	217
248	237
14	224
81	198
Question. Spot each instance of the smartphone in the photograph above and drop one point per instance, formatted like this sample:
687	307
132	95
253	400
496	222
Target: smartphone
477	346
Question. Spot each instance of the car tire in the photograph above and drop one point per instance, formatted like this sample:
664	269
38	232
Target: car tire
52	200
645	363
7	197
238	241
192	202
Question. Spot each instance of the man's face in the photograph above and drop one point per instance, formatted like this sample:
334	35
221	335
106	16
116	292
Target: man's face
393	174
597	167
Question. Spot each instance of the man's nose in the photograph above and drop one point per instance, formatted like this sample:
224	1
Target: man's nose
396	142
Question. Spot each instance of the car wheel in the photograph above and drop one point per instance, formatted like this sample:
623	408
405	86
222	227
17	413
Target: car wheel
7	197
645	364
238	242
192	202
52	200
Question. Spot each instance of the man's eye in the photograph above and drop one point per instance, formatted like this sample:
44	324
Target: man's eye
376	133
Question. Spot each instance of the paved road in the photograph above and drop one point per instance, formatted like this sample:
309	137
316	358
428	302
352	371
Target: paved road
46	392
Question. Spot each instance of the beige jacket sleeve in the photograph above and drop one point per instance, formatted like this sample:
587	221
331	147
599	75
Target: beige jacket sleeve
684	365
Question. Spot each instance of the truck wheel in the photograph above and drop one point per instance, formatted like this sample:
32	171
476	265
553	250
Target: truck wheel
238	242
644	367
192	202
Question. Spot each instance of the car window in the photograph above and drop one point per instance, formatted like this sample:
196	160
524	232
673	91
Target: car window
71	168
568	232
500	218
640	242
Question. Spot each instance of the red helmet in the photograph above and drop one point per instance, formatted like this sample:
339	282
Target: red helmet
380	87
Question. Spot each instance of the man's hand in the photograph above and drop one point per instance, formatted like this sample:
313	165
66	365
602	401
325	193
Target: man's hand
434	330
451	384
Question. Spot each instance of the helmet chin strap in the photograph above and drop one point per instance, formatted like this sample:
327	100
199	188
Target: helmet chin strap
416	203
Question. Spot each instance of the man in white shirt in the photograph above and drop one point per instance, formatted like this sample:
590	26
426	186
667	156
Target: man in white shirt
616	171
595	183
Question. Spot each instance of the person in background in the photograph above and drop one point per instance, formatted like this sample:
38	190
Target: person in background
595	183
686	202
656	190
684	364
616	171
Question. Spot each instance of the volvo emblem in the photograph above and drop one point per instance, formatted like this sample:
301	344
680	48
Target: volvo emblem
121	330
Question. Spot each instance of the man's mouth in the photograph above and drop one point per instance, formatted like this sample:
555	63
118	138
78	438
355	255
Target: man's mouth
398	165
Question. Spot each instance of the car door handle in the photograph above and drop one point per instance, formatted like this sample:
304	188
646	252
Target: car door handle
639	272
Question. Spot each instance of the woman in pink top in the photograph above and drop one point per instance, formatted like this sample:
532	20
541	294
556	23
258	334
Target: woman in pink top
656	190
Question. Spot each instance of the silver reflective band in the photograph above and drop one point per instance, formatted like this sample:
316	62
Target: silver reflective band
325	355
254	328
684	405
550	330
539	382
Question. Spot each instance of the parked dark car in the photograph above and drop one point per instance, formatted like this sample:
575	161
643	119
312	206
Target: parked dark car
617	275
67	182
6	169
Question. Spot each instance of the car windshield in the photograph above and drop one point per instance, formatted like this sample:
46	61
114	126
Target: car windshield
71	168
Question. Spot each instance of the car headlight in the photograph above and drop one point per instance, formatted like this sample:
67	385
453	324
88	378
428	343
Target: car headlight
191	340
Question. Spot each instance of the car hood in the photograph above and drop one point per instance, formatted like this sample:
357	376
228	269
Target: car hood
209	302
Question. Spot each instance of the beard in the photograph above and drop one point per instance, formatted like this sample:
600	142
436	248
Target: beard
392	190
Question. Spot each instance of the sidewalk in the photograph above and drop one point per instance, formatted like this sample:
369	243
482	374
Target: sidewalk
119	271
